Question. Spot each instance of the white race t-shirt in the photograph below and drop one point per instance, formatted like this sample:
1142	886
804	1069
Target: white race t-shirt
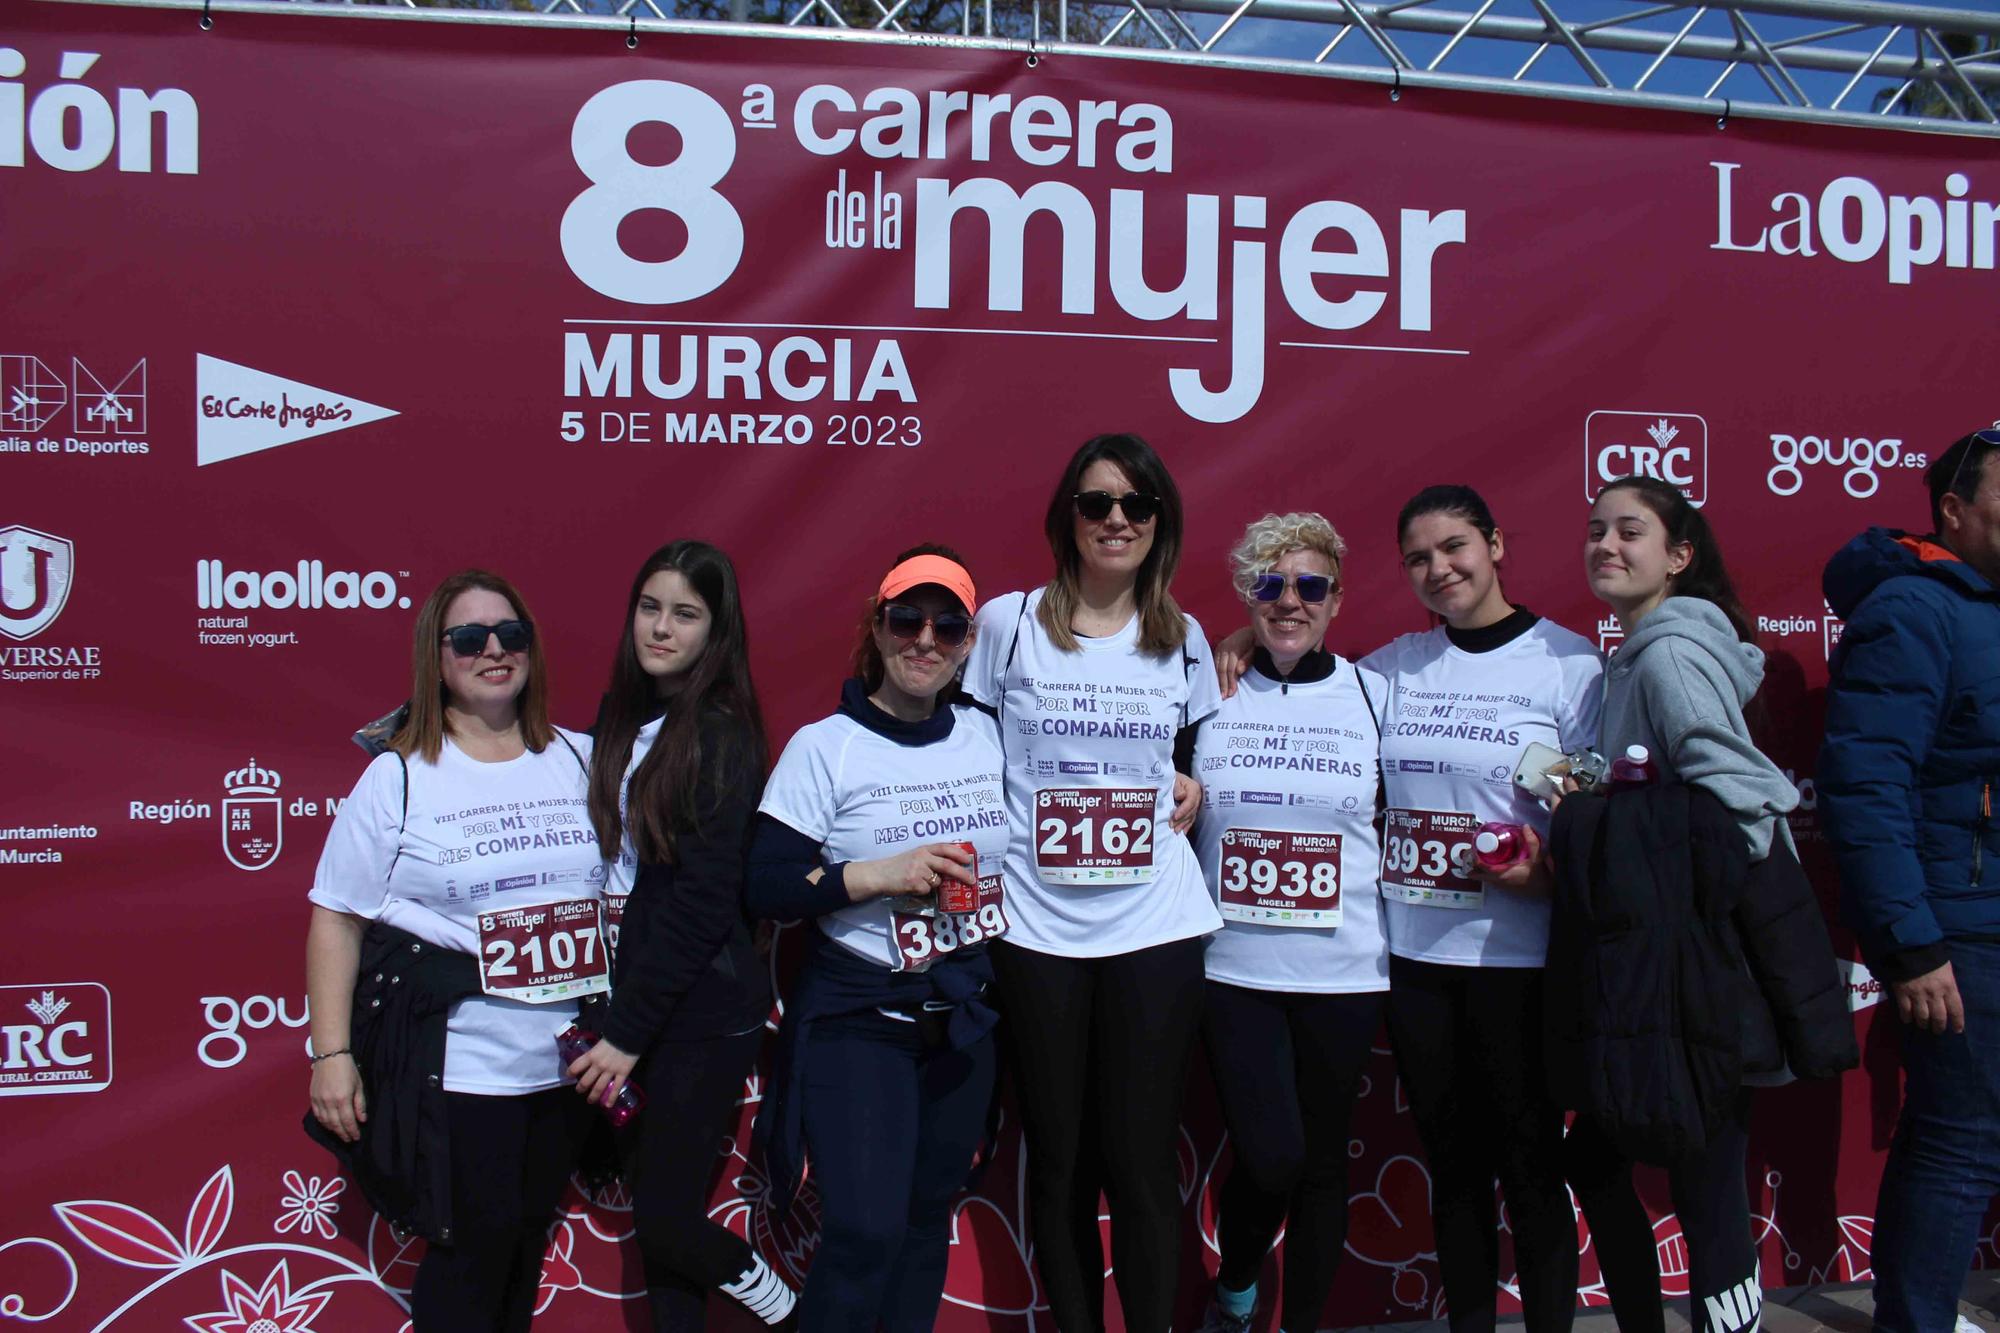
1287	833
1458	722
863	796
1093	868
477	837
623	872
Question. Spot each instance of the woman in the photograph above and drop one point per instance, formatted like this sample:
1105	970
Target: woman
1678	686
1095	678
1289	846
476	794
674	782
883	824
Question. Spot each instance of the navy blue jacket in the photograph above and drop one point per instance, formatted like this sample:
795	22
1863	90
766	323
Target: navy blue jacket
1912	750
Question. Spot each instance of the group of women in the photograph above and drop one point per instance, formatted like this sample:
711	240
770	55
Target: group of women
1040	831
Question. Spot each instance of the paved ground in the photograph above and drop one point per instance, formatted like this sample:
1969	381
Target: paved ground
1843	1309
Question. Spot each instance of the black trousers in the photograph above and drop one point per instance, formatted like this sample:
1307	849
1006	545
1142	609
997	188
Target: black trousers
1099	1048
1713	1207
691	1089
1286	1068
510	1159
1469	1048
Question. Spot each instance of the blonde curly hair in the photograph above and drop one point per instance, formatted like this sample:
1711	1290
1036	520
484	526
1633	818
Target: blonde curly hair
1275	536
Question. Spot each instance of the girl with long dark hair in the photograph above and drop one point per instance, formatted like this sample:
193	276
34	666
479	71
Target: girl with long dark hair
1097	677
674	784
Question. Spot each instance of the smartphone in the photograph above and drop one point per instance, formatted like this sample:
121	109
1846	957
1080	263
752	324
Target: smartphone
1541	770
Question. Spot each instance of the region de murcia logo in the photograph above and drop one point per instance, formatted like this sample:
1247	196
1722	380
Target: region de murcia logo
1669	446
253	818
35	573
1831	627
64	1047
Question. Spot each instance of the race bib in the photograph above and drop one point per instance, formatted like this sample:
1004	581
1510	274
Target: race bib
614	917
1426	857
1094	835
1272	878
921	940
544	952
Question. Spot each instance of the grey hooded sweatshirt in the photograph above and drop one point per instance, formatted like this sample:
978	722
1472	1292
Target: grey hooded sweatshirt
1677	686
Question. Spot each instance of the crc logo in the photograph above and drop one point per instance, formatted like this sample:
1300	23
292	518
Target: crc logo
1862	458
1669	446
224	1046
54	1038
253	818
36	569
31	396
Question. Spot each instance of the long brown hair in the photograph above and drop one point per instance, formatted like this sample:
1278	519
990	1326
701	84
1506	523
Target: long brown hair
423	732
1162	629
665	797
1706	576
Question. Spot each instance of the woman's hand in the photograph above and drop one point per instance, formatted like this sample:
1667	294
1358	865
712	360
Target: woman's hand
907	874
1530	877
1232	659
602	1069
1187	803
337	1100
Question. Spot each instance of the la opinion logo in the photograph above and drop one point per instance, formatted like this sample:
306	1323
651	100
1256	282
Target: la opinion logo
36	569
253	818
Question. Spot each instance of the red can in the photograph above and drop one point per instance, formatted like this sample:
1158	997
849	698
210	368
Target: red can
955	896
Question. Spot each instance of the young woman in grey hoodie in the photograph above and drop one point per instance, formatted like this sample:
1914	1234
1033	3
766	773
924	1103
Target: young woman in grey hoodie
1678	685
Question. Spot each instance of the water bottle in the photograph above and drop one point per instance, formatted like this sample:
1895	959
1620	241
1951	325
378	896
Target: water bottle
1634	768
1500	847
573	1043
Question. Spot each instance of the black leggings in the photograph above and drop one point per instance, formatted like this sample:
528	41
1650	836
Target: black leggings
510	1159
1286	1067
691	1087
1469	1048
1713	1207
1099	1048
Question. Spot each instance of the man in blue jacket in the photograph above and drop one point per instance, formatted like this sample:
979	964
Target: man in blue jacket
1906	781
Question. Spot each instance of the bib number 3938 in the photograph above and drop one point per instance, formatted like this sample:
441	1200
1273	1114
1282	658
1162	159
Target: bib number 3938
544	952
923	940
1427	857
1271	878
1094	835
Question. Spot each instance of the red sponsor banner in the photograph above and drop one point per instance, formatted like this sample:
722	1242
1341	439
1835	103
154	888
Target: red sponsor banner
307	310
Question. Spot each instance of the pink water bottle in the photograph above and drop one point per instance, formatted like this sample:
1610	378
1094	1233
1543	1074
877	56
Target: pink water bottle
1634	768
1500	846
573	1043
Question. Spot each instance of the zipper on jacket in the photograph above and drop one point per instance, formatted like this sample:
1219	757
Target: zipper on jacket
1979	833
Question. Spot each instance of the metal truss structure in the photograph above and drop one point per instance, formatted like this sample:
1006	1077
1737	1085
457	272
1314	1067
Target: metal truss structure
1857	62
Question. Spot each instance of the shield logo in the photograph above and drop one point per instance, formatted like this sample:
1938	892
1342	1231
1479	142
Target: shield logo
253	817
36	569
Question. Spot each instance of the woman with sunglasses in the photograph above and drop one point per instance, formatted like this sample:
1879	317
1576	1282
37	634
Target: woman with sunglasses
1467	944
1096	677
883	825
455	881
1288	843
675	777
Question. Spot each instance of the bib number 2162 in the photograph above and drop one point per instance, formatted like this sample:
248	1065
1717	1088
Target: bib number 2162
1094	835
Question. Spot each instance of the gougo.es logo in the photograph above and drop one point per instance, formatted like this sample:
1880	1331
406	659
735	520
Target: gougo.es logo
1863	459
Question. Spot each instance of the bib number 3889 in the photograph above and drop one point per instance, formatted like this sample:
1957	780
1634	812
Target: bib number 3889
544	952
1094	835
922	940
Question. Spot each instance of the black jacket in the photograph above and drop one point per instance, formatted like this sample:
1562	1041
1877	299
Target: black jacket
687	965
1677	968
402	998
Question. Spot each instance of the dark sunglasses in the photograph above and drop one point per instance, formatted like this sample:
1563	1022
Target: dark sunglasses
949	628
470	640
1989	438
1311	587
1096	506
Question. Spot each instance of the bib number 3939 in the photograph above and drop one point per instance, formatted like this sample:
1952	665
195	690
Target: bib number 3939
1271	878
923	940
1427	859
544	952
1094	835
